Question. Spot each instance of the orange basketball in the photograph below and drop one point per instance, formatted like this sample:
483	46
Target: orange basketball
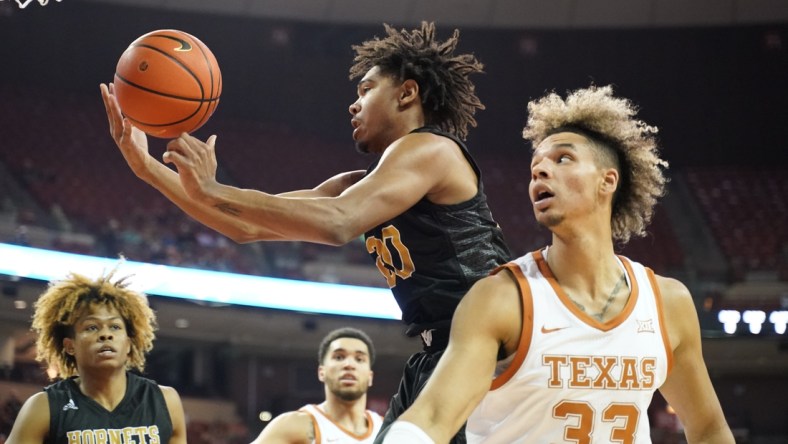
168	82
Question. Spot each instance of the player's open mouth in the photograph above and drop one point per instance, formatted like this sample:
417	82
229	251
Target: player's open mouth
543	195
356	124
106	351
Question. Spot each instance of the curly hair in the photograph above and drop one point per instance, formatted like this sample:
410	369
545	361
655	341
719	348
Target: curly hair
447	94
345	332
610	122
59	308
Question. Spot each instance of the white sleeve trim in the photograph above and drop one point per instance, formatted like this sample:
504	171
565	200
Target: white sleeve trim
403	432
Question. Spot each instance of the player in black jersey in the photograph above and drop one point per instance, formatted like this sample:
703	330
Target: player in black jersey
93	332
421	206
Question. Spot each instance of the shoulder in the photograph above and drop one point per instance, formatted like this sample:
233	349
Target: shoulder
679	311
175	408
172	399
38	402
170	394
675	295
415	152
291	427
492	291
297	420
32	423
423	144
492	305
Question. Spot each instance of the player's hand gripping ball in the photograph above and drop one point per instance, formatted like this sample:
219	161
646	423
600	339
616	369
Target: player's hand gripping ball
167	82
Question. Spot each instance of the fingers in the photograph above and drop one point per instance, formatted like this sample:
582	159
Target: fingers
126	134
105	99
175	152
188	151
114	115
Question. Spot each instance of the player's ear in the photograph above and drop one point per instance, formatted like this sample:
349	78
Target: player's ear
371	377
409	92
610	181
321	374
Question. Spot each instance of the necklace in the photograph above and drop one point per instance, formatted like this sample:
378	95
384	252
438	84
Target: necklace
601	315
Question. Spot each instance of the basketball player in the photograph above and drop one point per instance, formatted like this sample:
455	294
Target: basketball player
92	332
345	360
421	206
586	336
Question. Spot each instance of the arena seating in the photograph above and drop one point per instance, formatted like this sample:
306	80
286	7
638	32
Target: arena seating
746	209
73	163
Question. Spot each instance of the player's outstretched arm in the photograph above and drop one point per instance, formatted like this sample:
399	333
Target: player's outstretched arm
133	145
487	318
32	424
415	166
334	213
288	428
688	388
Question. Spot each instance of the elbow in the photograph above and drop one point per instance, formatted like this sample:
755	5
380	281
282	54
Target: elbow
338	238
246	234
241	240
340	231
241	237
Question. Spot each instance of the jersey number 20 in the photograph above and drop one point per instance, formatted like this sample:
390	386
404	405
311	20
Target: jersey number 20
385	259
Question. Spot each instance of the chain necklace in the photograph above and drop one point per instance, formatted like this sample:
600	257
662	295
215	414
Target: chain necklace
601	315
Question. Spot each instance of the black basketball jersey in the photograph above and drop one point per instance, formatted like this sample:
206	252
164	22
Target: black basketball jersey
431	254
141	417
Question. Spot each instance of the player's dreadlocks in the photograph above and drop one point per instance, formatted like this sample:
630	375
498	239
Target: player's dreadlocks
609	122
59	308
447	94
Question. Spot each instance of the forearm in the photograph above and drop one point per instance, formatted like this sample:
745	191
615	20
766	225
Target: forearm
167	182
718	434
456	387
301	216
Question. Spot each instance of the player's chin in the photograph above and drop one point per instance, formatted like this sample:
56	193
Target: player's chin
362	147
547	219
348	395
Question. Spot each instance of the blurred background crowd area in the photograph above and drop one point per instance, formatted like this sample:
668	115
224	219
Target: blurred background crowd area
717	92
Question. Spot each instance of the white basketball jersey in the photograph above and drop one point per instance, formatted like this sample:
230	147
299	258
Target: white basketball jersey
574	379
327	431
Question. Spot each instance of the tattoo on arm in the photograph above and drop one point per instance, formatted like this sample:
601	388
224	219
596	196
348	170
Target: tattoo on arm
311	434
228	209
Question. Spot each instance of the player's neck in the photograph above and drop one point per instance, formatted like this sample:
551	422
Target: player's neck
583	263
351	415
107	389
407	122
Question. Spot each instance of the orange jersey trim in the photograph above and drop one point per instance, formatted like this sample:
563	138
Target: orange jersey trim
662	326
526	333
583	316
370	426
315	427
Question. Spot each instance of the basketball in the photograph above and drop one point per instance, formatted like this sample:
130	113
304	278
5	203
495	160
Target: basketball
167	82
